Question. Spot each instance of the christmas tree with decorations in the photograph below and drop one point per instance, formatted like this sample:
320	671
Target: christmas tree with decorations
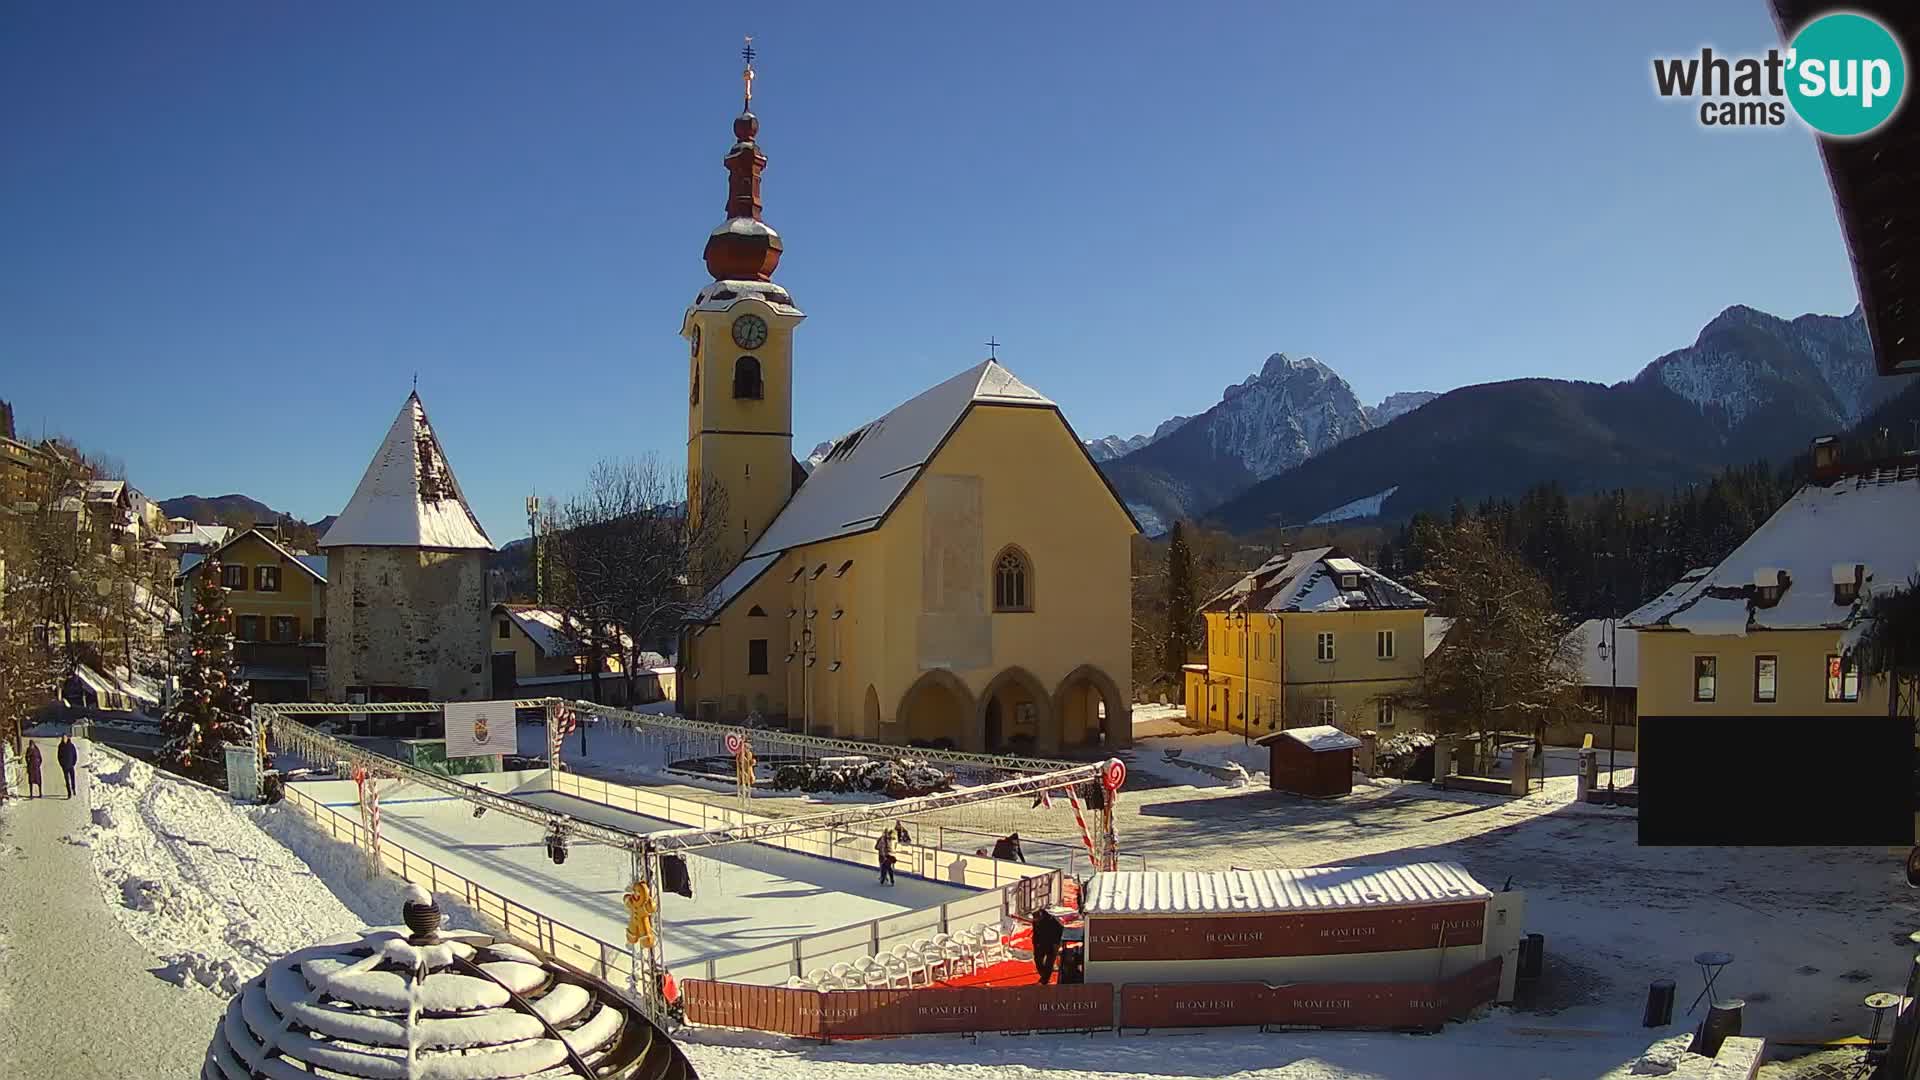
213	709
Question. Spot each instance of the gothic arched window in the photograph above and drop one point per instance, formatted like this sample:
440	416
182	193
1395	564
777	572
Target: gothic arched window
1012	581
746	378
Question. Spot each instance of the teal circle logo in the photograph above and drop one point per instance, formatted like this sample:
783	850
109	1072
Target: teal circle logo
1846	74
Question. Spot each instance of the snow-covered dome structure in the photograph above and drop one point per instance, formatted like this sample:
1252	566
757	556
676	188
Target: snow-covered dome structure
414	1002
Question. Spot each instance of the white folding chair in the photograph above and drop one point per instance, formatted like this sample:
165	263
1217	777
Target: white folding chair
898	973
992	948
874	973
955	952
934	958
819	979
911	963
842	977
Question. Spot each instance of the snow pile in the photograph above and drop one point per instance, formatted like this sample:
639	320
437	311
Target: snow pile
1213	759
200	885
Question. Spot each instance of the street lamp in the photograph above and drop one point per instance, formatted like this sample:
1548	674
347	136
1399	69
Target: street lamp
1610	652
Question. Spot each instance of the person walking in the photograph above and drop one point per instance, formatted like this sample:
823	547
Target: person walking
68	756
885	847
33	770
1047	933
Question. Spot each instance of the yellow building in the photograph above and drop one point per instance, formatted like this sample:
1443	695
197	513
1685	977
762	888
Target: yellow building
1764	633
277	601
955	571
1310	638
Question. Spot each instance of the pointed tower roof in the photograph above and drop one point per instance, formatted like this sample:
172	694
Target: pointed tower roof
408	497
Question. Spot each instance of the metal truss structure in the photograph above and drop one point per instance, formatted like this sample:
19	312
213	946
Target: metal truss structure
668	722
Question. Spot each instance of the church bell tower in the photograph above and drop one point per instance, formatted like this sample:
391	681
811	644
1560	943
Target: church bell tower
739	333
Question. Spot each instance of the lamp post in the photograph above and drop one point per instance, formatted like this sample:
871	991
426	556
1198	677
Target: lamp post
1610	652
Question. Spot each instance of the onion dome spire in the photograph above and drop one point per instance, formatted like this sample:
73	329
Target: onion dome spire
743	248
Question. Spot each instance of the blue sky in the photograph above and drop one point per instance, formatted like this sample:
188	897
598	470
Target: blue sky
235	231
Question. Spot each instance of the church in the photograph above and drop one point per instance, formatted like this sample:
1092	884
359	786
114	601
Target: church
956	572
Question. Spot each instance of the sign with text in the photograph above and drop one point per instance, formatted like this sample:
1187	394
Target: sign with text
480	728
1293	933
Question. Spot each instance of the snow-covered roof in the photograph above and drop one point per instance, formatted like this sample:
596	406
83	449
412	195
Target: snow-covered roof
547	627
408	496
105	490
742	226
1616	670
867	470
197	534
1318	738
1320	888
744	573
1310	581
312	564
722	295
1436	628
1869	518
389	1004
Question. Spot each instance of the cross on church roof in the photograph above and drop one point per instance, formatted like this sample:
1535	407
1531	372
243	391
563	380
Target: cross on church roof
993	349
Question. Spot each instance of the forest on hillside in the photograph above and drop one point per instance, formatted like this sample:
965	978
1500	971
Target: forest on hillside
1601	554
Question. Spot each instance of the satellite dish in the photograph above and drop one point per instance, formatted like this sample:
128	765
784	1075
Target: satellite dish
1913	868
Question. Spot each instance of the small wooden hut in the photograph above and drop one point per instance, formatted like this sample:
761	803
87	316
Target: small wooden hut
1313	761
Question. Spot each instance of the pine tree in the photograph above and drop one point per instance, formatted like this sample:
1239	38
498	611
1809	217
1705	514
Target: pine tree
213	710
1180	637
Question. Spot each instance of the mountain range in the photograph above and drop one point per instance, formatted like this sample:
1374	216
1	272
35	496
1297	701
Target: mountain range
1291	445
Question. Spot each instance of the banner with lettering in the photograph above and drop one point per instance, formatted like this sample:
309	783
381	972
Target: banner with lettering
1294	933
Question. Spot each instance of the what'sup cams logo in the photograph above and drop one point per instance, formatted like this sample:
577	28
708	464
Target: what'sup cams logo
1843	74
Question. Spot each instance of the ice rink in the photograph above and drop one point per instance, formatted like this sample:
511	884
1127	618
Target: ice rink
744	895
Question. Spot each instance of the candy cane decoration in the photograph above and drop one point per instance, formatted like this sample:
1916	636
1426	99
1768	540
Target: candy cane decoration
1111	778
1086	837
373	800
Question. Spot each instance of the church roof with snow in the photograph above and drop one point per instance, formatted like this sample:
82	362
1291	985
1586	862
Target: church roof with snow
1315	580
1812	565
409	497
868	470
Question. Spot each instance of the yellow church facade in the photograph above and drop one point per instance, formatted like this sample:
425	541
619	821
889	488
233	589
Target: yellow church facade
956	572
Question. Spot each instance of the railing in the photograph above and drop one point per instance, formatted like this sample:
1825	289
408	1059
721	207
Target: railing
1009	888
578	948
1008	891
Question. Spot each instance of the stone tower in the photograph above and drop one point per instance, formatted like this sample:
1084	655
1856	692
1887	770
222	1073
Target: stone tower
739	330
407	603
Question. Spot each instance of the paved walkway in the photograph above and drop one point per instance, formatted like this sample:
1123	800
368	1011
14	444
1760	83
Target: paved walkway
61	947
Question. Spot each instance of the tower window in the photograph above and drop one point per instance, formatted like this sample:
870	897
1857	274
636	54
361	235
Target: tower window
1012	582
746	378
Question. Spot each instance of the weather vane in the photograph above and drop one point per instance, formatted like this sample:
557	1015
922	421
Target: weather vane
747	54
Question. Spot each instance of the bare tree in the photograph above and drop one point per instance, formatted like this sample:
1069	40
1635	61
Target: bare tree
1507	663
627	565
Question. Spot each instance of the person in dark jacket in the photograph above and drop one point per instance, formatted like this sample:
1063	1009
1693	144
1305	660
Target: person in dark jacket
1047	932
885	848
33	769
69	756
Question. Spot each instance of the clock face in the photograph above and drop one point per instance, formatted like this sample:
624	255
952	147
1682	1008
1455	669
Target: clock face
696	341
749	331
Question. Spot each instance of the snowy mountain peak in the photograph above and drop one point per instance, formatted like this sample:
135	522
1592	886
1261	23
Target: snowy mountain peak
1113	446
1749	365
1398	405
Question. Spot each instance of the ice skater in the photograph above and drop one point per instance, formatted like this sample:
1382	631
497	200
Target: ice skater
68	756
885	847
33	770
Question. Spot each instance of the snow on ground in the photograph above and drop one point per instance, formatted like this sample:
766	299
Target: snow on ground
201	885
